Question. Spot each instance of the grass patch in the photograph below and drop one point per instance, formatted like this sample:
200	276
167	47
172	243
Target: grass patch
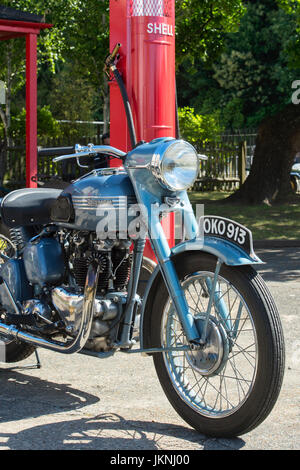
278	222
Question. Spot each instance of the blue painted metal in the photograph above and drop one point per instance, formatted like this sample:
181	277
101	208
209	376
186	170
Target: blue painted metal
237	321
224	250
13	272
133	300
95	192
150	195
44	262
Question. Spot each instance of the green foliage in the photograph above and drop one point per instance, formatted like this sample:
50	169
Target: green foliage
51	46
253	76
200	26
259	41
232	115
255	66
195	128
47	126
72	96
52	43
88	40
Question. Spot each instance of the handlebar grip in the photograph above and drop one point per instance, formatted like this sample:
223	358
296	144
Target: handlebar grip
55	151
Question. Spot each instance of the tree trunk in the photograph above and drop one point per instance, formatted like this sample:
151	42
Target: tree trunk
277	143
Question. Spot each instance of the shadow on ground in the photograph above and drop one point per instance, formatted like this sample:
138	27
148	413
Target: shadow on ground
24	397
281	264
96	434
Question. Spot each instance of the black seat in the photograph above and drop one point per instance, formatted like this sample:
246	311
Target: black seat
28	206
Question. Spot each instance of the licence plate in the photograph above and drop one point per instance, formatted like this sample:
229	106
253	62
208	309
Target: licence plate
214	226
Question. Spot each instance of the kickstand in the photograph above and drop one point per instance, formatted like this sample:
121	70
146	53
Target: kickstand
38	364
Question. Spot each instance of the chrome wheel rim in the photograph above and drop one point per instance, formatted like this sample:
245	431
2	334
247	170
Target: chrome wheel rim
215	387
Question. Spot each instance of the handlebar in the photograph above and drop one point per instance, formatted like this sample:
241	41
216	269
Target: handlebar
89	150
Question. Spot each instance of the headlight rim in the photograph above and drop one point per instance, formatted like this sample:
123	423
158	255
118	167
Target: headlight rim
157	161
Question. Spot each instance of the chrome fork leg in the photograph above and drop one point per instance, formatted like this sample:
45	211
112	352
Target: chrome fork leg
212	291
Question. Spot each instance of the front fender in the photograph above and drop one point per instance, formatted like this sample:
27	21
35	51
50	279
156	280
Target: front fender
227	252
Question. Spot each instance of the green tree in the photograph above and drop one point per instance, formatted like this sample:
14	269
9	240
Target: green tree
201	26
250	84
51	47
255	69
47	126
196	128
88	45
279	130
250	78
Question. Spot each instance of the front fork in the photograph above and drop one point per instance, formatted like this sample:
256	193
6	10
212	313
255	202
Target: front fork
163	254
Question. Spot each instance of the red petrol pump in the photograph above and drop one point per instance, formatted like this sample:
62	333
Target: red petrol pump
146	31
151	78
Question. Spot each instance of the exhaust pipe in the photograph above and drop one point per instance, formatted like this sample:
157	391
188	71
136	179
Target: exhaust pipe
76	344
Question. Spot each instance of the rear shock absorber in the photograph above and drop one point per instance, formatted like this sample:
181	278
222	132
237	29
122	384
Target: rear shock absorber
19	236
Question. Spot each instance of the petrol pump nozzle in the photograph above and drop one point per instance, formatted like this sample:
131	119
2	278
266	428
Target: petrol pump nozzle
110	59
110	67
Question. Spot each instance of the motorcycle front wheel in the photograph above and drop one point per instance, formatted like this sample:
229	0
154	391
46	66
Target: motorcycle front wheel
229	386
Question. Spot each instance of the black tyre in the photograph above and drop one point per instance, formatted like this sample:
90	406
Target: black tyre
11	350
230	386
14	351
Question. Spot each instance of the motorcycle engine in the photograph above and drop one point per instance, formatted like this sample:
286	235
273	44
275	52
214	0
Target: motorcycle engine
52	278
113	257
114	260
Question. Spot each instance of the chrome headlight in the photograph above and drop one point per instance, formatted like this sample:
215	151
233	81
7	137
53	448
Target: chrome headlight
176	167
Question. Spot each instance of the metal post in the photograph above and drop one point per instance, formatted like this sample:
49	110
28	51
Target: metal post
242	162
118	34
31	109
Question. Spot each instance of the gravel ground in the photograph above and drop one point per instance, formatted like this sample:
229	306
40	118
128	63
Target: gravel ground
79	402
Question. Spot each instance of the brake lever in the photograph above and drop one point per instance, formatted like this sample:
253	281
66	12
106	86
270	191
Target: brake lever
89	150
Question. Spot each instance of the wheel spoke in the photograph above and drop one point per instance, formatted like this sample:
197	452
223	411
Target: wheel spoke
222	392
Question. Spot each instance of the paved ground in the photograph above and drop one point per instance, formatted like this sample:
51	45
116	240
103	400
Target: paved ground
79	402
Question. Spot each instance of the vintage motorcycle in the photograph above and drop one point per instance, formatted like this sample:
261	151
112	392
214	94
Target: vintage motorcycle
70	270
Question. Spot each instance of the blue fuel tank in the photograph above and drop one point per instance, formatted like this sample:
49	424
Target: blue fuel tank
104	194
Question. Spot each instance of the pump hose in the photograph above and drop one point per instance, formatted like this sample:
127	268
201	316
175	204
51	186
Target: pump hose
126	105
109	64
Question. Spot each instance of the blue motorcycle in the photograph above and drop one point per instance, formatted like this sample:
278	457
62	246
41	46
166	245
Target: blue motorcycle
70	271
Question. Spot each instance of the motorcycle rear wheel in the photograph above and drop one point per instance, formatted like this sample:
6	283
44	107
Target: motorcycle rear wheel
11	350
230	386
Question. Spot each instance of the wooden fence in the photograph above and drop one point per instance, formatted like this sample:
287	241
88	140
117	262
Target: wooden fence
225	168
13	164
